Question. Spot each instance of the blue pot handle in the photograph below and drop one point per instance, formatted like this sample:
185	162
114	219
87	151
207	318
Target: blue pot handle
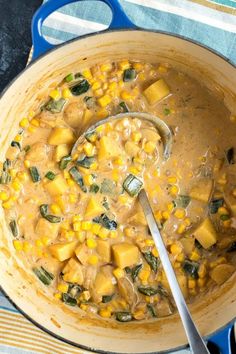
40	45
223	341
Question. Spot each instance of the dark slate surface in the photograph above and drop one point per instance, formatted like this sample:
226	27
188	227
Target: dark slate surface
15	36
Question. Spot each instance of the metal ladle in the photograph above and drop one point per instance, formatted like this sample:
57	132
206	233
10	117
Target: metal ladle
195	340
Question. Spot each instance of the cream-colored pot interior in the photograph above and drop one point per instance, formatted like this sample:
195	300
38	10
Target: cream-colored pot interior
24	95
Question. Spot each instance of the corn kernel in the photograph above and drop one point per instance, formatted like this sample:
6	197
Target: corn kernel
8	204
70	182
66	93
80	235
77	226
106	67
93	259
202	271
149	147
136	136
45	240
27	246
201	282
23	176
227	223
62	287
94	166
35	122
57	296
149	242
16	185
155	252
24	123
55	94
104	100
129	232
191	283
73	198
144	273
27	163
86	225
55	209
138	66
121	83
181	229
115	175
187	221
89	149
95	228
170	206
174	190
31	129
162	69
88	180
123	199
91	243
113	234
83	307
103	233
13	172
124	64
133	170
195	255
18	138
97	85
175	249
98	93
119	161
180	257
222	211
38	243
118	273
179	213
87	74
105	313
165	215
4	196
126	95
18	245
172	180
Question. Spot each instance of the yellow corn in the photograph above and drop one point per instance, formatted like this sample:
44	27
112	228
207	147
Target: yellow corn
70	182
138	66
195	255
27	246
66	93
123	199
121	83
4	196
87	74
187	221
104	100
124	64
201	282
106	67
103	233
86	225
18	245
181	229
89	149
155	252
136	136
97	85
191	283
27	163
119	161
23	176
165	215
77	217
55	94
8	204
73	198
144	273
83	307
62	287
115	175
179	213
18	138
38	243
174	190
77	226
118	273
222	211
133	170
98	93
13	172
113	234
85	295
180	257
80	235
105	313
129	231
172	180
91	243
149	242
45	240
35	122
94	166
95	228
31	129
24	123
202	271
93	259
175	248
170	206
55	209
16	185
57	296
126	95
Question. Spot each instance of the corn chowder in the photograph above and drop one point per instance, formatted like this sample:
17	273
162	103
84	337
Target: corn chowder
75	216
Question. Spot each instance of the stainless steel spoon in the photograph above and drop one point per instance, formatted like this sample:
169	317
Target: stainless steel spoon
195	340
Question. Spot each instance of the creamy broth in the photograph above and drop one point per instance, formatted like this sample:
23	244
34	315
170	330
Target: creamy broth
76	218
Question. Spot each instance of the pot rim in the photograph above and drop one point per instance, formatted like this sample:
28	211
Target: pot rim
227	60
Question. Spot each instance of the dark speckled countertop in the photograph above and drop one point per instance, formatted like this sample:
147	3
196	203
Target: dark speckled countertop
15	36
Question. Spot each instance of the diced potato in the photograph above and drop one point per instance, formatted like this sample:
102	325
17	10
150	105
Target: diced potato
206	234
87	117
46	228
73	272
94	208
104	250
182	280
188	244
108	148
61	151
82	254
202	190
103	284
73	114
37	152
150	135
221	273
63	251
156	91
57	186
125	254
138	219
131	148
61	135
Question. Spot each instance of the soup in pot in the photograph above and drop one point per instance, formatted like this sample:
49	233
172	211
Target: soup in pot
74	215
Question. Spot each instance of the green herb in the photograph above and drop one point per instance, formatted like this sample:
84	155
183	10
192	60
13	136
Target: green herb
153	261
148	290
123	107
26	148
129	75
44	276
34	173
55	106
51	218
107	298
50	175
224	217
80	88
43	210
68	300
90	136
6	165
191	268
90	102
132	185
107	186
74	290
105	204
14	228
166	111
94	188
16	144
5	178
77	177
123	316
182	201
135	271
128	270
106	222
65	160
69	77
215	205
197	244
85	161
151	310
230	156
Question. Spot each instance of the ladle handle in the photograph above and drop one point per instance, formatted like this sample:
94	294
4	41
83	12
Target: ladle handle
195	340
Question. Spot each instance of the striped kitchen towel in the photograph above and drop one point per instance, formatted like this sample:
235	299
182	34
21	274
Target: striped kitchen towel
212	23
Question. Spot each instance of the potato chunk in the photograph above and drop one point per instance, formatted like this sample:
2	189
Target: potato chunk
37	152
61	151
131	148
108	148
202	190
103	284
182	280
221	273
63	251
138	219
104	250
94	208
73	272
73	114
46	228
206	234
61	135
156	91
125	254
57	186
82	254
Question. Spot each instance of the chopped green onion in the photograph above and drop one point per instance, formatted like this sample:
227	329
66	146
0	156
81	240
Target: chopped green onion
64	162
107	186
67	299
230	156
80	88
123	316
16	144
77	177
135	271
166	111
69	77
26	148
14	228
132	185
191	268
106	222
5	177
107	298
153	261
55	106
215	205
44	276
51	218
90	102
34	173
129	75
151	310
50	175
224	217
182	201
85	161
94	188
124	108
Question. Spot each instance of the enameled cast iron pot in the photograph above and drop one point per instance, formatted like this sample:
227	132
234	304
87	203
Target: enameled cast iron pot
215	312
